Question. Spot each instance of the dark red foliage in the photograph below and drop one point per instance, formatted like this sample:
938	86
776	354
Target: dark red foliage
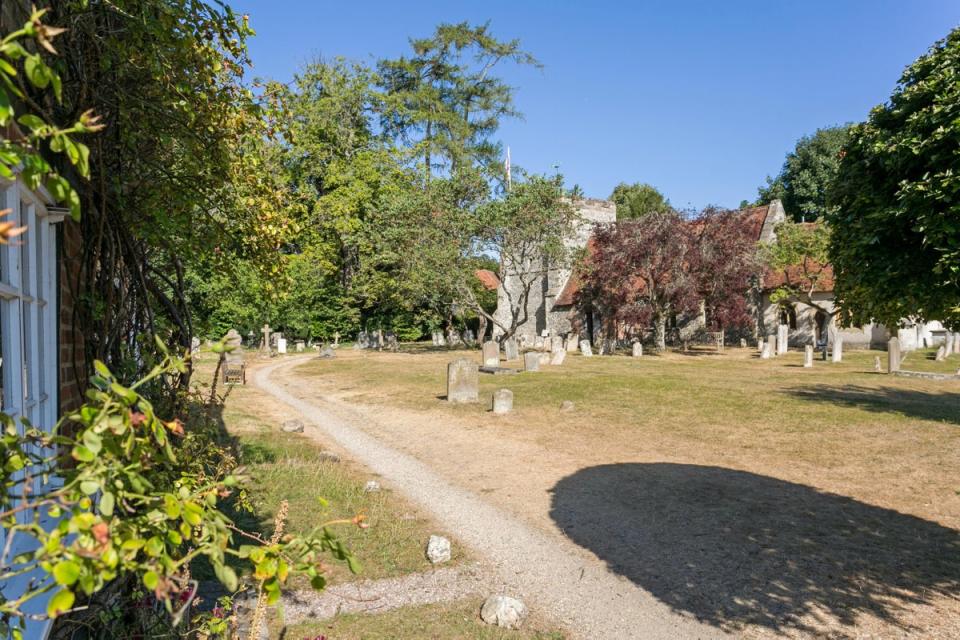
726	266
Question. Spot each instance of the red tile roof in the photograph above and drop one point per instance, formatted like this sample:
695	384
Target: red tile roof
488	278
795	276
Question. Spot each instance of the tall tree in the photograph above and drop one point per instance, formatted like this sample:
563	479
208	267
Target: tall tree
896	222
639	271
637	200
800	260
444	99
726	264
808	174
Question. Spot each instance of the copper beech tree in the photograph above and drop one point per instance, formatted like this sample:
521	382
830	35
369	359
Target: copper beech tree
640	272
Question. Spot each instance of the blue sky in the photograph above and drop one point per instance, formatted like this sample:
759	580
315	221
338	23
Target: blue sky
701	99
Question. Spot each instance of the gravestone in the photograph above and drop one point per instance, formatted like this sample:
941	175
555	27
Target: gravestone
876	365
571	343
531	361
948	343
941	353
463	381
743	343
194	345
265	345
233	340
281	345
585	348
760	343
491	354
893	355
544	358
502	401
808	356
765	351
558	357
837	353
391	341
300	345
772	345
538	342
637	349
510	349
327	352
336	338
362	340
783	336
956	342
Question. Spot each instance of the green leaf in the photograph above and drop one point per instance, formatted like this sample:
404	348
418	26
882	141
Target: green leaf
82	454
89	487
171	506
151	580
37	72
32	121
92	441
227	576
6	109
60	603
66	572
106	504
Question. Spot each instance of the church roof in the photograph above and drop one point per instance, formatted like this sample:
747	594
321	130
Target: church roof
488	278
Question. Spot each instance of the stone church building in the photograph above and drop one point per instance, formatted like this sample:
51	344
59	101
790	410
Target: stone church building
553	305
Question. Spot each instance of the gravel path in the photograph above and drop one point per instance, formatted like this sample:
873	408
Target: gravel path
546	571
446	584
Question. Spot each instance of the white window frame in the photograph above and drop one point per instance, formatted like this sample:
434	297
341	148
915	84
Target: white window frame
29	326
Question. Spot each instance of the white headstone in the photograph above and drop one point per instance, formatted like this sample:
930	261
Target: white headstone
837	354
808	356
531	361
510	350
281	345
772	344
783	337
637	349
893	355
765	351
558	357
463	381
585	348
491	354
502	401
941	353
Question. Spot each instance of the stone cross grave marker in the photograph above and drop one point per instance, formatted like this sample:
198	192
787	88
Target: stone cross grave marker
265	345
893	355
463	381
491	354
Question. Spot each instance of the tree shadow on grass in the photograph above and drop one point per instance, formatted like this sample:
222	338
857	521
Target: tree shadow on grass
942	406
738	550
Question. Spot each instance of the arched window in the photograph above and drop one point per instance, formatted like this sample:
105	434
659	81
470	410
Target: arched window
788	315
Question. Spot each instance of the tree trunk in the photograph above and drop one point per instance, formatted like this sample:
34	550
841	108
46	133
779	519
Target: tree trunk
660	331
481	328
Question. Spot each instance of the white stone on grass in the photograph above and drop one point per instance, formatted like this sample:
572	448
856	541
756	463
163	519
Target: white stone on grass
292	426
372	486
438	550
567	406
808	356
531	361
503	611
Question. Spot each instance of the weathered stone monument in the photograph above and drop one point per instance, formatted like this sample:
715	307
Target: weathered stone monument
463	381
491	354
265	345
765	351
637	349
558	357
772	345
743	343
194	345
233	368
300	345
585	348
837	354
893	355
531	361
783	335
281	345
510	349
760	343
948	343
808	356
571	343
502	401
941	353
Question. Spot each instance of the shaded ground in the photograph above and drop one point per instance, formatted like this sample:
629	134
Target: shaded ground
737	549
848	447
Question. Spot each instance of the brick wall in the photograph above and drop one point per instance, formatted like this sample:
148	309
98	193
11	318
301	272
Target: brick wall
72	369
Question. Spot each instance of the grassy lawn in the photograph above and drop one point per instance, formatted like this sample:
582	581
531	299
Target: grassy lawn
926	360
840	427
457	621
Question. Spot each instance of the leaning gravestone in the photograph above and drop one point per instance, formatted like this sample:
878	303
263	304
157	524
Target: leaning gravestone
463	381
837	353
491	354
637	349
531	361
510	349
558	357
502	401
585	348
893	355
941	353
808	356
